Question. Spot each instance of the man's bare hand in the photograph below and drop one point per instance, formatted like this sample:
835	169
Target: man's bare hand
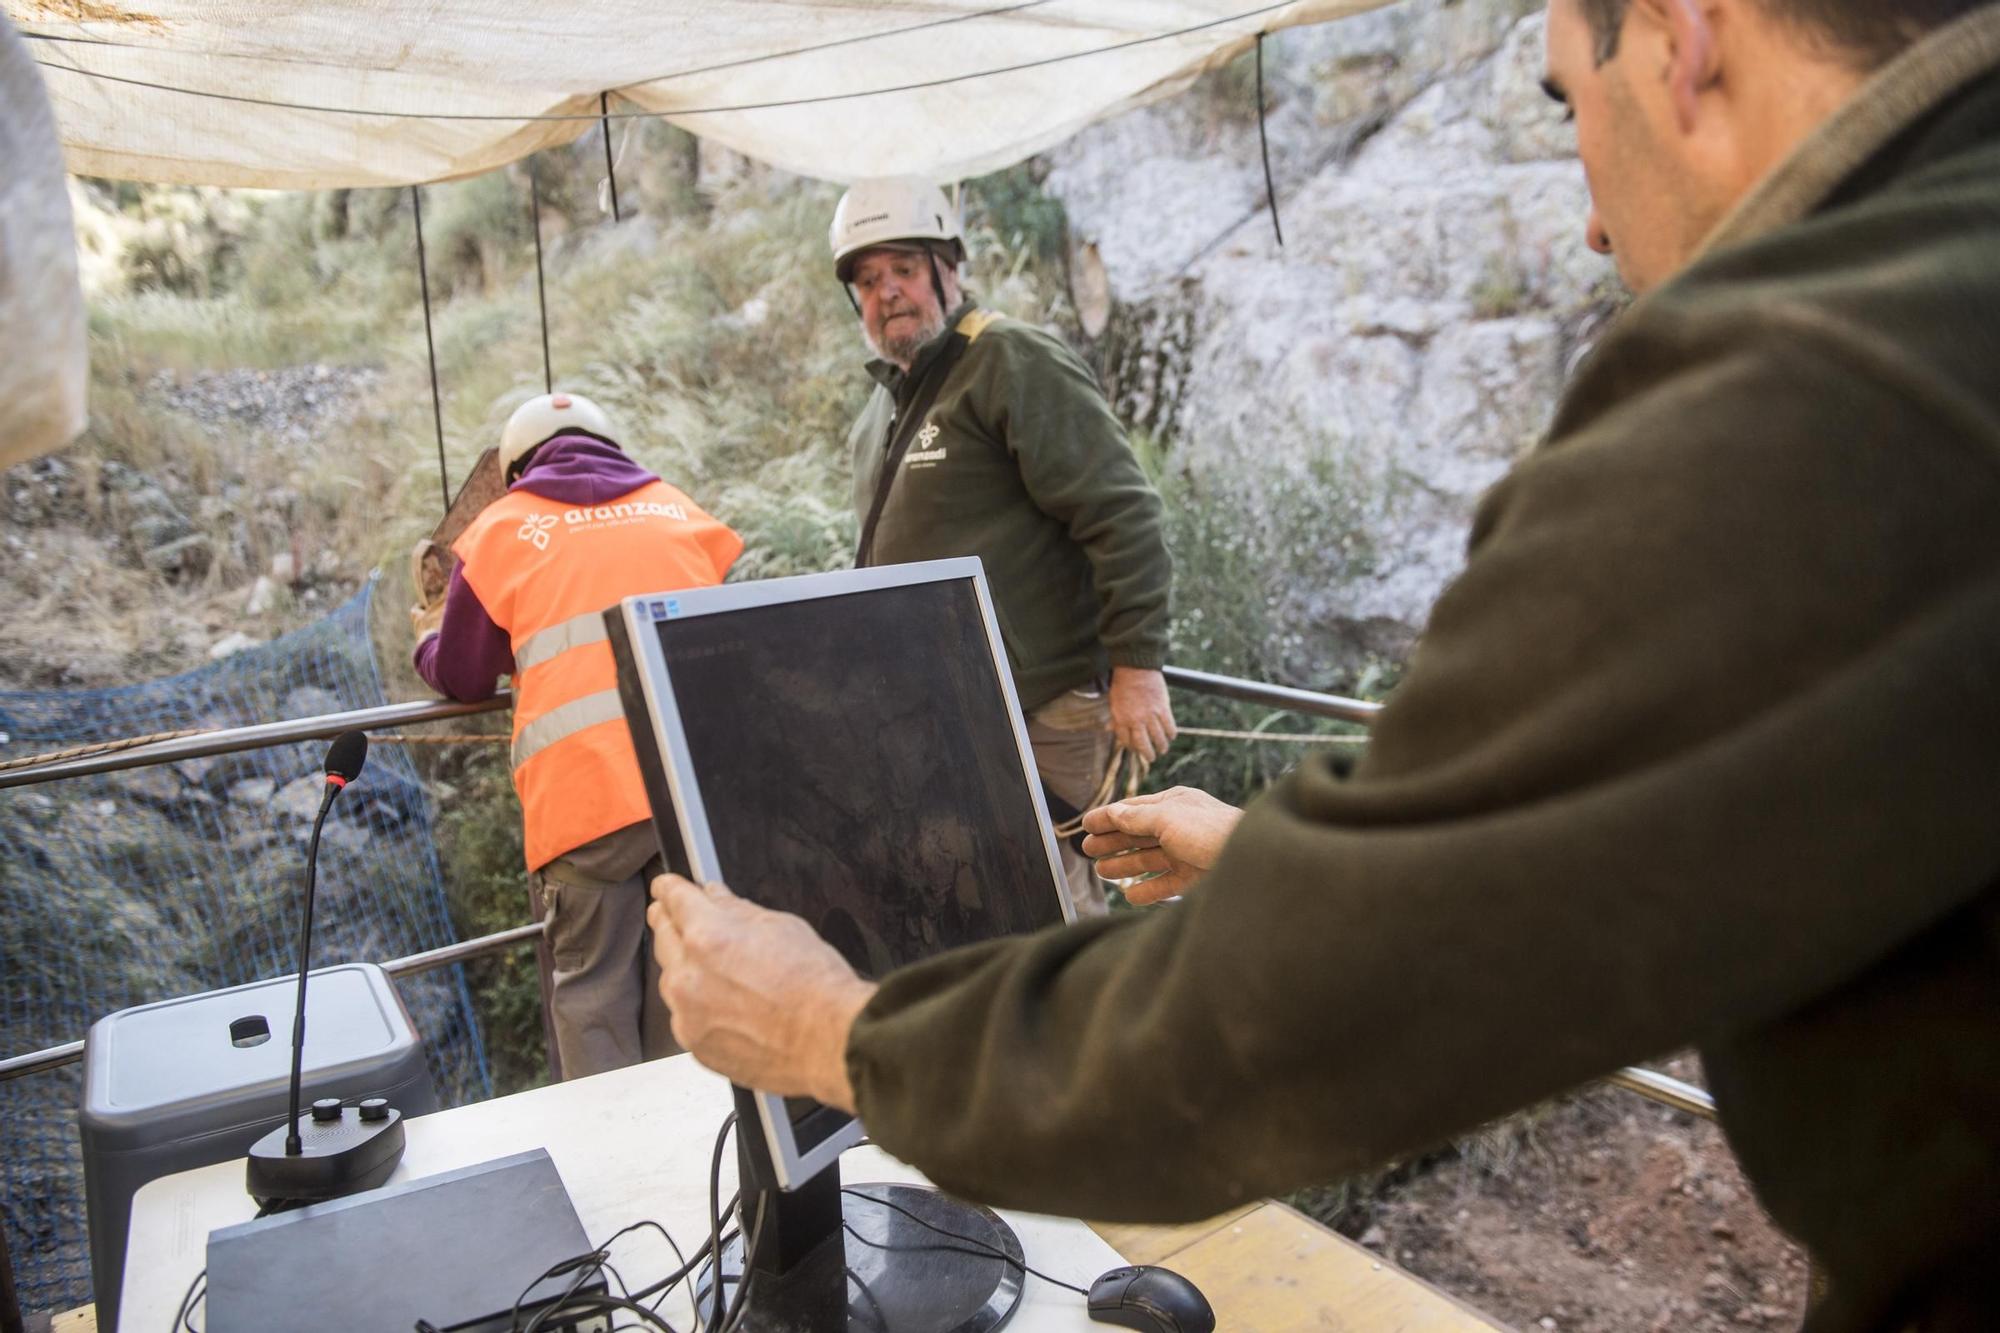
1173	835
1141	716
755	994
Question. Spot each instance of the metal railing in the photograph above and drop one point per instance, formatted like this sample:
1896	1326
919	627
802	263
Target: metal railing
229	740
1274	696
1644	1082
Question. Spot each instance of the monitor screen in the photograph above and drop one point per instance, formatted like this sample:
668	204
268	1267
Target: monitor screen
858	767
847	747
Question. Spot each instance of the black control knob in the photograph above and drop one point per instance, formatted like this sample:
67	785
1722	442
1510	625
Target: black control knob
326	1109
374	1109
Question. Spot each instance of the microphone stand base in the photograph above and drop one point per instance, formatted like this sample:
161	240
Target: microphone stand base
337	1157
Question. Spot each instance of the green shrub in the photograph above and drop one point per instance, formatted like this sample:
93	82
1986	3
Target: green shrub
486	890
1239	542
1012	207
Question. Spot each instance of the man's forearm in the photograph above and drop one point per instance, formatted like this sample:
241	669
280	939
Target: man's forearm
470	653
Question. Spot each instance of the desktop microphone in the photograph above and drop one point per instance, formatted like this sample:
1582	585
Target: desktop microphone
336	1149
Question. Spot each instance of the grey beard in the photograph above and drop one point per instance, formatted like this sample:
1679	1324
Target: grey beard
902	349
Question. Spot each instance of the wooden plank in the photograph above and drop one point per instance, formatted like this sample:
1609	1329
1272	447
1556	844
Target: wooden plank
481	487
1274	1270
80	1320
1155	1245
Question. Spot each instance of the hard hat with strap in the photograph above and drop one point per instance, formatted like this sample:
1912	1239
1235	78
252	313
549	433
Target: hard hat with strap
894	211
541	419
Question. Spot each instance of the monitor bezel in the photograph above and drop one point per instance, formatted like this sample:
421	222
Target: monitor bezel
792	1166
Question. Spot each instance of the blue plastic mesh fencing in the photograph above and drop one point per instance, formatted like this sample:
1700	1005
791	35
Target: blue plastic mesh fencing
150	883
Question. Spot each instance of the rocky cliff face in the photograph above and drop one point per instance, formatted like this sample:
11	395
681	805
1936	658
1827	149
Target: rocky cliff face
1410	337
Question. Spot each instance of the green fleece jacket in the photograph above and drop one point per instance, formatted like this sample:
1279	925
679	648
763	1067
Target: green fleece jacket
1703	747
1021	463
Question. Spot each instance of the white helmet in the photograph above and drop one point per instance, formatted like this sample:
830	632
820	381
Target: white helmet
892	209
542	418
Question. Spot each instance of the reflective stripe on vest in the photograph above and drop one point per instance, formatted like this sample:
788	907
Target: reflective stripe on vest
559	639
564	721
544	569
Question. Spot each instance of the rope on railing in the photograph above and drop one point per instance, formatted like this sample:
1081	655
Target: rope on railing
1644	1082
99	747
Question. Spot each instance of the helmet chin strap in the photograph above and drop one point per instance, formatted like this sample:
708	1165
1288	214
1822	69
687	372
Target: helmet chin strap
937	282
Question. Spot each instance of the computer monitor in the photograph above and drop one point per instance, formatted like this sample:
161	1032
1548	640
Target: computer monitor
846	747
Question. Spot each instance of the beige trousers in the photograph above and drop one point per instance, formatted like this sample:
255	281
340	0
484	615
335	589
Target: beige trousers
605	1005
1071	738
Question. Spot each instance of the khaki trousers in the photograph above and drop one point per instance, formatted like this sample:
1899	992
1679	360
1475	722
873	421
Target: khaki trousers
1071	738
605	1005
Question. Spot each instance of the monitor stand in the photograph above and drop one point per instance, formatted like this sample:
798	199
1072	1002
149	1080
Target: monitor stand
812	1272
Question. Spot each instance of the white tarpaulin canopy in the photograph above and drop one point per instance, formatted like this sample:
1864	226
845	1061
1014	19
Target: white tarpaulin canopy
42	369
310	94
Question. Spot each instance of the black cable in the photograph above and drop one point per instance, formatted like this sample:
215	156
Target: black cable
739	1302
585	1271
79	41
184	1313
430	344
848	41
583	1263
595	1304
610	167
982	1249
1264	143
688	1264
677	112
715	1221
881	1317
686	1267
574	1300
541	289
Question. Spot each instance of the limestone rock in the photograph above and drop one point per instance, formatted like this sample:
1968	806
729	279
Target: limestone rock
234	642
1415	329
253	791
263	596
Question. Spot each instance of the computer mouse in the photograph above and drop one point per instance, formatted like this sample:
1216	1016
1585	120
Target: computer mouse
1152	1300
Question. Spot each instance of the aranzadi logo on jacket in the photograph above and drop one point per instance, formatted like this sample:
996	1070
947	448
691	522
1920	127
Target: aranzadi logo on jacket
926	454
536	528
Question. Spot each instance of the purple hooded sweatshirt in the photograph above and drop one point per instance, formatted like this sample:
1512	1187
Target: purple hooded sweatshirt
467	656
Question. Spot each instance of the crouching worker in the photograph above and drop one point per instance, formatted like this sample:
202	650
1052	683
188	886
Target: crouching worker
580	527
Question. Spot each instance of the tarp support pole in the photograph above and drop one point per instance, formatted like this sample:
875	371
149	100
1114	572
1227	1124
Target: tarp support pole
610	167
1264	143
430	343
541	291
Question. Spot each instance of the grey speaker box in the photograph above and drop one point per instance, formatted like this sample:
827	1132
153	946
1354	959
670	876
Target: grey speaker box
195	1081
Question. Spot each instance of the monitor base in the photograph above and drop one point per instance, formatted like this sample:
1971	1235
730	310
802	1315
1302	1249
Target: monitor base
912	1278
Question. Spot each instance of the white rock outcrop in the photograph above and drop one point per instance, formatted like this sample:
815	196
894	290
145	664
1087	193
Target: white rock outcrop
1414	329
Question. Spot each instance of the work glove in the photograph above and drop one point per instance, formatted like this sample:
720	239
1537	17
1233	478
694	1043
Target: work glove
426	620
430	576
430	572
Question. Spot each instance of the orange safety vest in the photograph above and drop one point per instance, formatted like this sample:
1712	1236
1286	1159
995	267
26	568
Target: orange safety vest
546	571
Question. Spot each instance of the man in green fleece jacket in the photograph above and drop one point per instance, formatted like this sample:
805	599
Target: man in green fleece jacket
986	436
1701	748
